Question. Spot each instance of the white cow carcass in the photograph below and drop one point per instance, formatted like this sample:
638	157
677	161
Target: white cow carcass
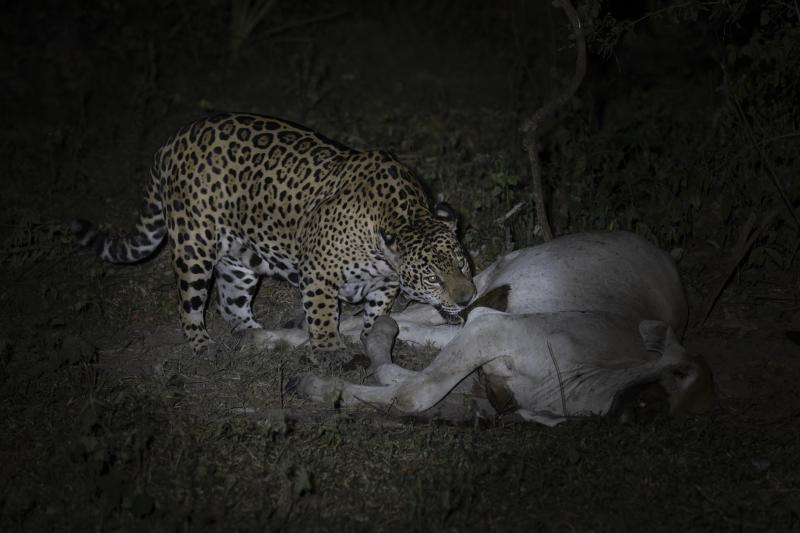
590	325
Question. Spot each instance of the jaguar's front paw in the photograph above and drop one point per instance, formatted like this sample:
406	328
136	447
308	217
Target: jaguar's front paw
208	350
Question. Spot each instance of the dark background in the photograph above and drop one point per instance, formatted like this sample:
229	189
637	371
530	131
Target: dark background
684	130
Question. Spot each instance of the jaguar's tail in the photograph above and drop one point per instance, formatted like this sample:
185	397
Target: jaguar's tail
136	245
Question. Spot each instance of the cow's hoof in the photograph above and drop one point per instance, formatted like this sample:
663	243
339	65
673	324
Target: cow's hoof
385	325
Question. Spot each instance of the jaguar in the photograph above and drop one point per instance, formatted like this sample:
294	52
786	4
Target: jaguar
241	196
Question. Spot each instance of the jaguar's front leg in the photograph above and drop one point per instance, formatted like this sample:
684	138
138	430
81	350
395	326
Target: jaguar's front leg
379	303
321	308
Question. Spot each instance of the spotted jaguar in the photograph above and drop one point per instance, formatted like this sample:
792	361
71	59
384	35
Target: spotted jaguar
240	196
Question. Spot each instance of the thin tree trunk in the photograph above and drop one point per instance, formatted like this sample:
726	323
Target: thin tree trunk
530	128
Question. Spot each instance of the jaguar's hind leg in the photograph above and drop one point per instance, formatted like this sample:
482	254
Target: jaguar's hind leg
193	284
236	286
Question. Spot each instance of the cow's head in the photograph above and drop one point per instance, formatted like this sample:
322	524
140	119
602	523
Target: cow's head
683	385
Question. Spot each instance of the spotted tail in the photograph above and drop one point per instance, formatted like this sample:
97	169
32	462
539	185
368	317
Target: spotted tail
136	245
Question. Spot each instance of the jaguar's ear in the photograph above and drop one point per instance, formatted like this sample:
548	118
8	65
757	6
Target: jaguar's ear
445	213
389	248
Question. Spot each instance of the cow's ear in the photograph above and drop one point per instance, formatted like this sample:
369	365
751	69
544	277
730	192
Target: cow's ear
446	214
389	247
654	335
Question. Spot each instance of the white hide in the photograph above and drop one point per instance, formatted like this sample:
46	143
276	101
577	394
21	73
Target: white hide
589	316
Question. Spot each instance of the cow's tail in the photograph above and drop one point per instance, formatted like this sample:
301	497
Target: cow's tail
136	245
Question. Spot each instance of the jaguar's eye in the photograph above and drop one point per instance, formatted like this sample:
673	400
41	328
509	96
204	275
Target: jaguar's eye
433	278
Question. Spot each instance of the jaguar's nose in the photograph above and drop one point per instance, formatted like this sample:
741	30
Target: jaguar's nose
465	294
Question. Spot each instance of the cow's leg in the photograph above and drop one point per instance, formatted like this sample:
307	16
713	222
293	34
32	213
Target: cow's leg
417	391
378	347
417	325
461	357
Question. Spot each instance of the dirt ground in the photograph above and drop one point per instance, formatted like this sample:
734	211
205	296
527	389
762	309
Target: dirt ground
109	423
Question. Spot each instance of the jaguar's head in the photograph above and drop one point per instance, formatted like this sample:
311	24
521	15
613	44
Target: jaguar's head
430	261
